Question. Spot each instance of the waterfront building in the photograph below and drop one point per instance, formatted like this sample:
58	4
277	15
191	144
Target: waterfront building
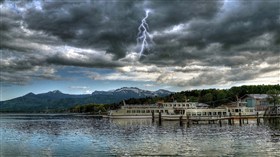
259	101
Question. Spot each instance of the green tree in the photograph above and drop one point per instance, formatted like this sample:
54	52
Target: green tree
207	98
274	96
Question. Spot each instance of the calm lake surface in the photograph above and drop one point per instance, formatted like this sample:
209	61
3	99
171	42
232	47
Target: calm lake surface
75	135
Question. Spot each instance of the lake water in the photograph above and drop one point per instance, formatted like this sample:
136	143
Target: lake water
73	135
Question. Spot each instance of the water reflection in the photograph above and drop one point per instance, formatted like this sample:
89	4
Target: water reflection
72	135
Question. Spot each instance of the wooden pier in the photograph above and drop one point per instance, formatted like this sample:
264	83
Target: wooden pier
230	120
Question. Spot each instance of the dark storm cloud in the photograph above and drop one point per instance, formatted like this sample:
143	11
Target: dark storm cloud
231	27
88	61
207	34
22	69
112	25
226	76
104	25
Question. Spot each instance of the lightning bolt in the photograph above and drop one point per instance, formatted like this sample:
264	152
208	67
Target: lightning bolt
143	35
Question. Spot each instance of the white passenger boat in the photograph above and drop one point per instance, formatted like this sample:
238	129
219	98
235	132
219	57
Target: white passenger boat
174	110
145	111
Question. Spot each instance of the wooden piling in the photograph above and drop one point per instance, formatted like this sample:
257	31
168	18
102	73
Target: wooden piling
240	120
159	118
188	121
181	120
153	116
220	121
229	119
258	121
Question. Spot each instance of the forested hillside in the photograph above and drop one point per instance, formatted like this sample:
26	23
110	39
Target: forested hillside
213	97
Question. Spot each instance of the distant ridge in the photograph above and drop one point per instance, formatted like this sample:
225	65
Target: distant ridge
56	100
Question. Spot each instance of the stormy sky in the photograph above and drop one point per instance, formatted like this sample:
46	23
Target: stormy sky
83	46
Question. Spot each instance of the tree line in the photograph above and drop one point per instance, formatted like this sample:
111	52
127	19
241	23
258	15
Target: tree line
93	108
213	97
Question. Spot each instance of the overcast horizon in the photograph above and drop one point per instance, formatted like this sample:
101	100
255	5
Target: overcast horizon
78	47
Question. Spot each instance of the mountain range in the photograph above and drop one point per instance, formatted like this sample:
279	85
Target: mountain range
56	100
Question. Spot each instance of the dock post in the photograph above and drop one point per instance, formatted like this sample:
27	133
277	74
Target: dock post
181	120
188	121
232	120
159	118
220	121
153	116
247	120
258	121
229	119
240	120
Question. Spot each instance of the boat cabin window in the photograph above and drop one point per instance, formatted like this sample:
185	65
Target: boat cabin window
204	113
184	105
219	113
157	111
143	111
128	111
148	111
224	113
138	111
170	105
179	105
251	110
209	113
133	111
174	105
214	113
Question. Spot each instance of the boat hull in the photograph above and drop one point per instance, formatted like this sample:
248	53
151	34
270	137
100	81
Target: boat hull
130	117
172	117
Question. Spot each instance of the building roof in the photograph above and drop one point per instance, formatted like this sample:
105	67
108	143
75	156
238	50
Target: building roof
257	96
202	105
